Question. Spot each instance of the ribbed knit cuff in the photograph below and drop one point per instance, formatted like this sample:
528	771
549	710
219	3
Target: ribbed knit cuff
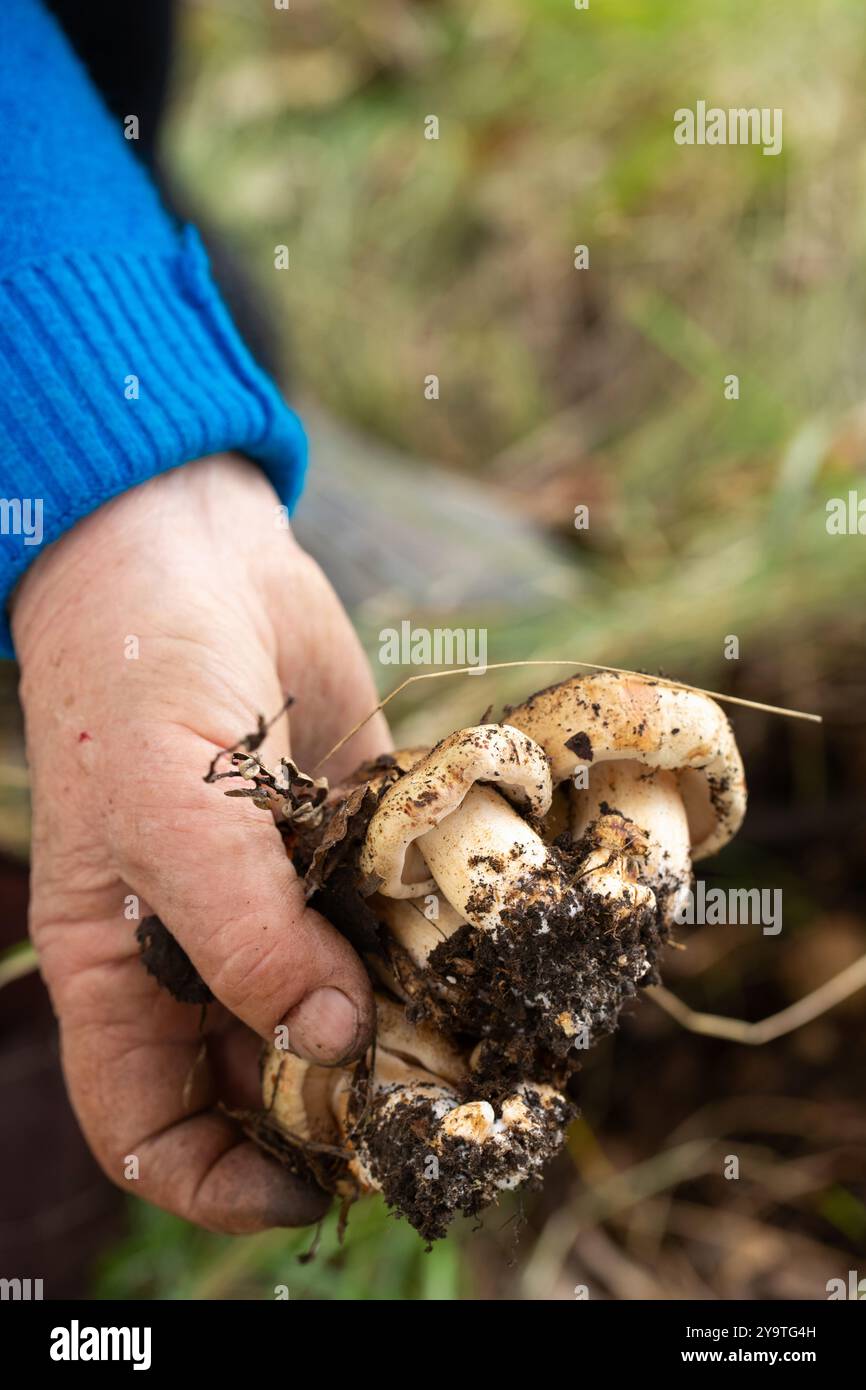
113	368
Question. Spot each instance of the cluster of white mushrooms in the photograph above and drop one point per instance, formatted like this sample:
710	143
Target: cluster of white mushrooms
523	877
405	1131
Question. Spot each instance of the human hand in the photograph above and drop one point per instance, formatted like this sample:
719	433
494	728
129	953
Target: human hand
150	635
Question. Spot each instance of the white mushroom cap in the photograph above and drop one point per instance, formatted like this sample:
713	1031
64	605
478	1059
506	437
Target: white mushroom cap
604	717
435	788
473	1121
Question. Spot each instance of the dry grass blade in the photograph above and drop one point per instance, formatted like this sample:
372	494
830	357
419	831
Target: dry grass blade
810	1007
584	665
618	1193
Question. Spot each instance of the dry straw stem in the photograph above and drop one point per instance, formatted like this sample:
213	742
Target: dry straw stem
810	1007
620	1192
585	665
649	1181
647	1186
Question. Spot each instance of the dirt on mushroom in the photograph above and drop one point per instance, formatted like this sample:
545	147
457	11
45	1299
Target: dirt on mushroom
511	890
413	1121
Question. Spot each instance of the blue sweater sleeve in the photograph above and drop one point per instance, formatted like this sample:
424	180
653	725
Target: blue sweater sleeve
118	358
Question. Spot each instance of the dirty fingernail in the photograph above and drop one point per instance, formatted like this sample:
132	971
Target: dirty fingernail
297	1204
323	1027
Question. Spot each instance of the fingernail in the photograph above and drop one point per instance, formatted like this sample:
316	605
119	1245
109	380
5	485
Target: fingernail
323	1027
298	1204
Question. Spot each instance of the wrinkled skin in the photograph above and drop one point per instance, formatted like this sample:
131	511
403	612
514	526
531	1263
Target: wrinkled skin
229	614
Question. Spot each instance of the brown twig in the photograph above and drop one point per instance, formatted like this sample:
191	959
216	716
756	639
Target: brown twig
250	742
810	1007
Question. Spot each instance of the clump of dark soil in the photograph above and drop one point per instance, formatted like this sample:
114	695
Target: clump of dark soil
168	963
429	1177
565	956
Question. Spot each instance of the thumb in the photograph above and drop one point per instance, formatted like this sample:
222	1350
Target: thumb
217	874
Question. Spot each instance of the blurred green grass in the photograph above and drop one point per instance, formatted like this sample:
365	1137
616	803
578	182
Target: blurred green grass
379	1259
454	256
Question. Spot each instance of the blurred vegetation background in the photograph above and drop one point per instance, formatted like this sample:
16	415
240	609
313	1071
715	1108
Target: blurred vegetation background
559	387
603	387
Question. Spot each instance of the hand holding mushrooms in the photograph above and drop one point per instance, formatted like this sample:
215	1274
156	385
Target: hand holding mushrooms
226	613
510	889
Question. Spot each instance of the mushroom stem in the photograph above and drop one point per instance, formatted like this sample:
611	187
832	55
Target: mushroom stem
485	857
411	928
434	789
610	869
651	799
